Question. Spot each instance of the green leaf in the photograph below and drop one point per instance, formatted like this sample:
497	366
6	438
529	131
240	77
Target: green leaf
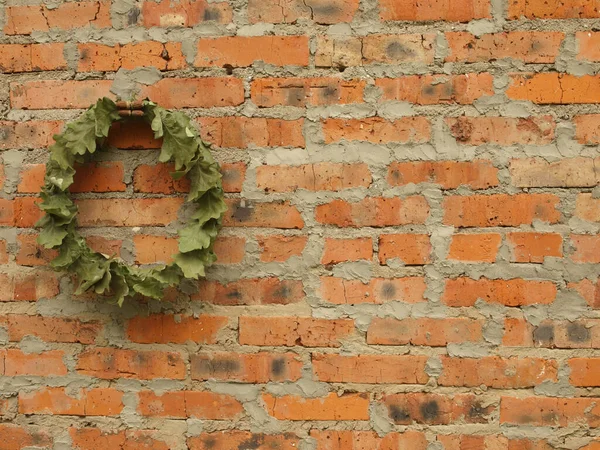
119	287
197	236
51	235
203	177
210	206
150	287
90	269
169	275
70	250
105	113
192	263
58	176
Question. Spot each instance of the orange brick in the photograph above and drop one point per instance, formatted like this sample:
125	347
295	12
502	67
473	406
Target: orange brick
554	88
151	249
586	248
571	172
374	212
475	247
373	369
378	290
259	367
88	402
320	11
51	94
29	286
93	438
332	407
111	363
31	57
526	46
313	177
464	291
185	13
3	252
587	129
280	248
500	210
410	249
589	290
564	9
359	440
238	439
549	411
425	331
32	134
244	213
462	11
48	363
98	57
243	132
341	250
230	249
449	174
587	208
181	404
496	372
167	329
437	89
50	329
16	437
301	92
415	130
127	212
252	291
534	247
584	372
502	130
292	331
135	133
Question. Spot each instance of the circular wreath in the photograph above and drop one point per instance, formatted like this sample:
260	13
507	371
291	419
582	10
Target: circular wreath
109	275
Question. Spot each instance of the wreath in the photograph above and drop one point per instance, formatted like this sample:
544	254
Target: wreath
110	275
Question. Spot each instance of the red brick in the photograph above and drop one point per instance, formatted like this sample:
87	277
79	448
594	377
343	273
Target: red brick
280	248
50	329
301	92
434	89
368	440
104	58
3	252
243	132
16	437
313	177
584	372
93	177
374	212
586	248
52	94
292	331
564	9
571	172
127	212
66	16
587	208
526	46
475	247
534	247
410	249
48	363
589	290
87	402
32	134
230	249
378	290
166	329
416	130
547	411
27	287
373	369
150	249
449	174
342	250
425	331
464	291
500	210
31	57
502	130
239	439
93	439
242	51
437	409
251	291
554	88
496	372
111	363
462	11
584	333
185	13
244	213
259	367
135	133
320	11
196	404
332	407
26	211
587	129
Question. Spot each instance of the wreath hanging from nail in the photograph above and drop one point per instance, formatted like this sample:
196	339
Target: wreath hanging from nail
109	275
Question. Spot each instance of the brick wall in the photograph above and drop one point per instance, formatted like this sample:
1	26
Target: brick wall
410	258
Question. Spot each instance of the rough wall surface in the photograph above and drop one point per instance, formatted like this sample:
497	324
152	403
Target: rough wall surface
411	252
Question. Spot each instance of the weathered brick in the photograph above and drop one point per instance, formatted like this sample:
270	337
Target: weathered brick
165	329
185	13
105	58
462	11
341	250
589	290
571	172
359	440
320	11
448	174
475	247
502	130
261	367
313	177
86	402
584	372
16	58
50	329
586	248
554	88
587	129
425	331
45	364
292	331
500	210
464	291
409	249
239	439
16	437
181	404
437	89
301	92
243	132
31	134
252	291
93	438
373	369
244	213
93	177
280	248
127	212
549	411
380	131
28	286
587	208
534	247
374	212
379	290
564	9
332	407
